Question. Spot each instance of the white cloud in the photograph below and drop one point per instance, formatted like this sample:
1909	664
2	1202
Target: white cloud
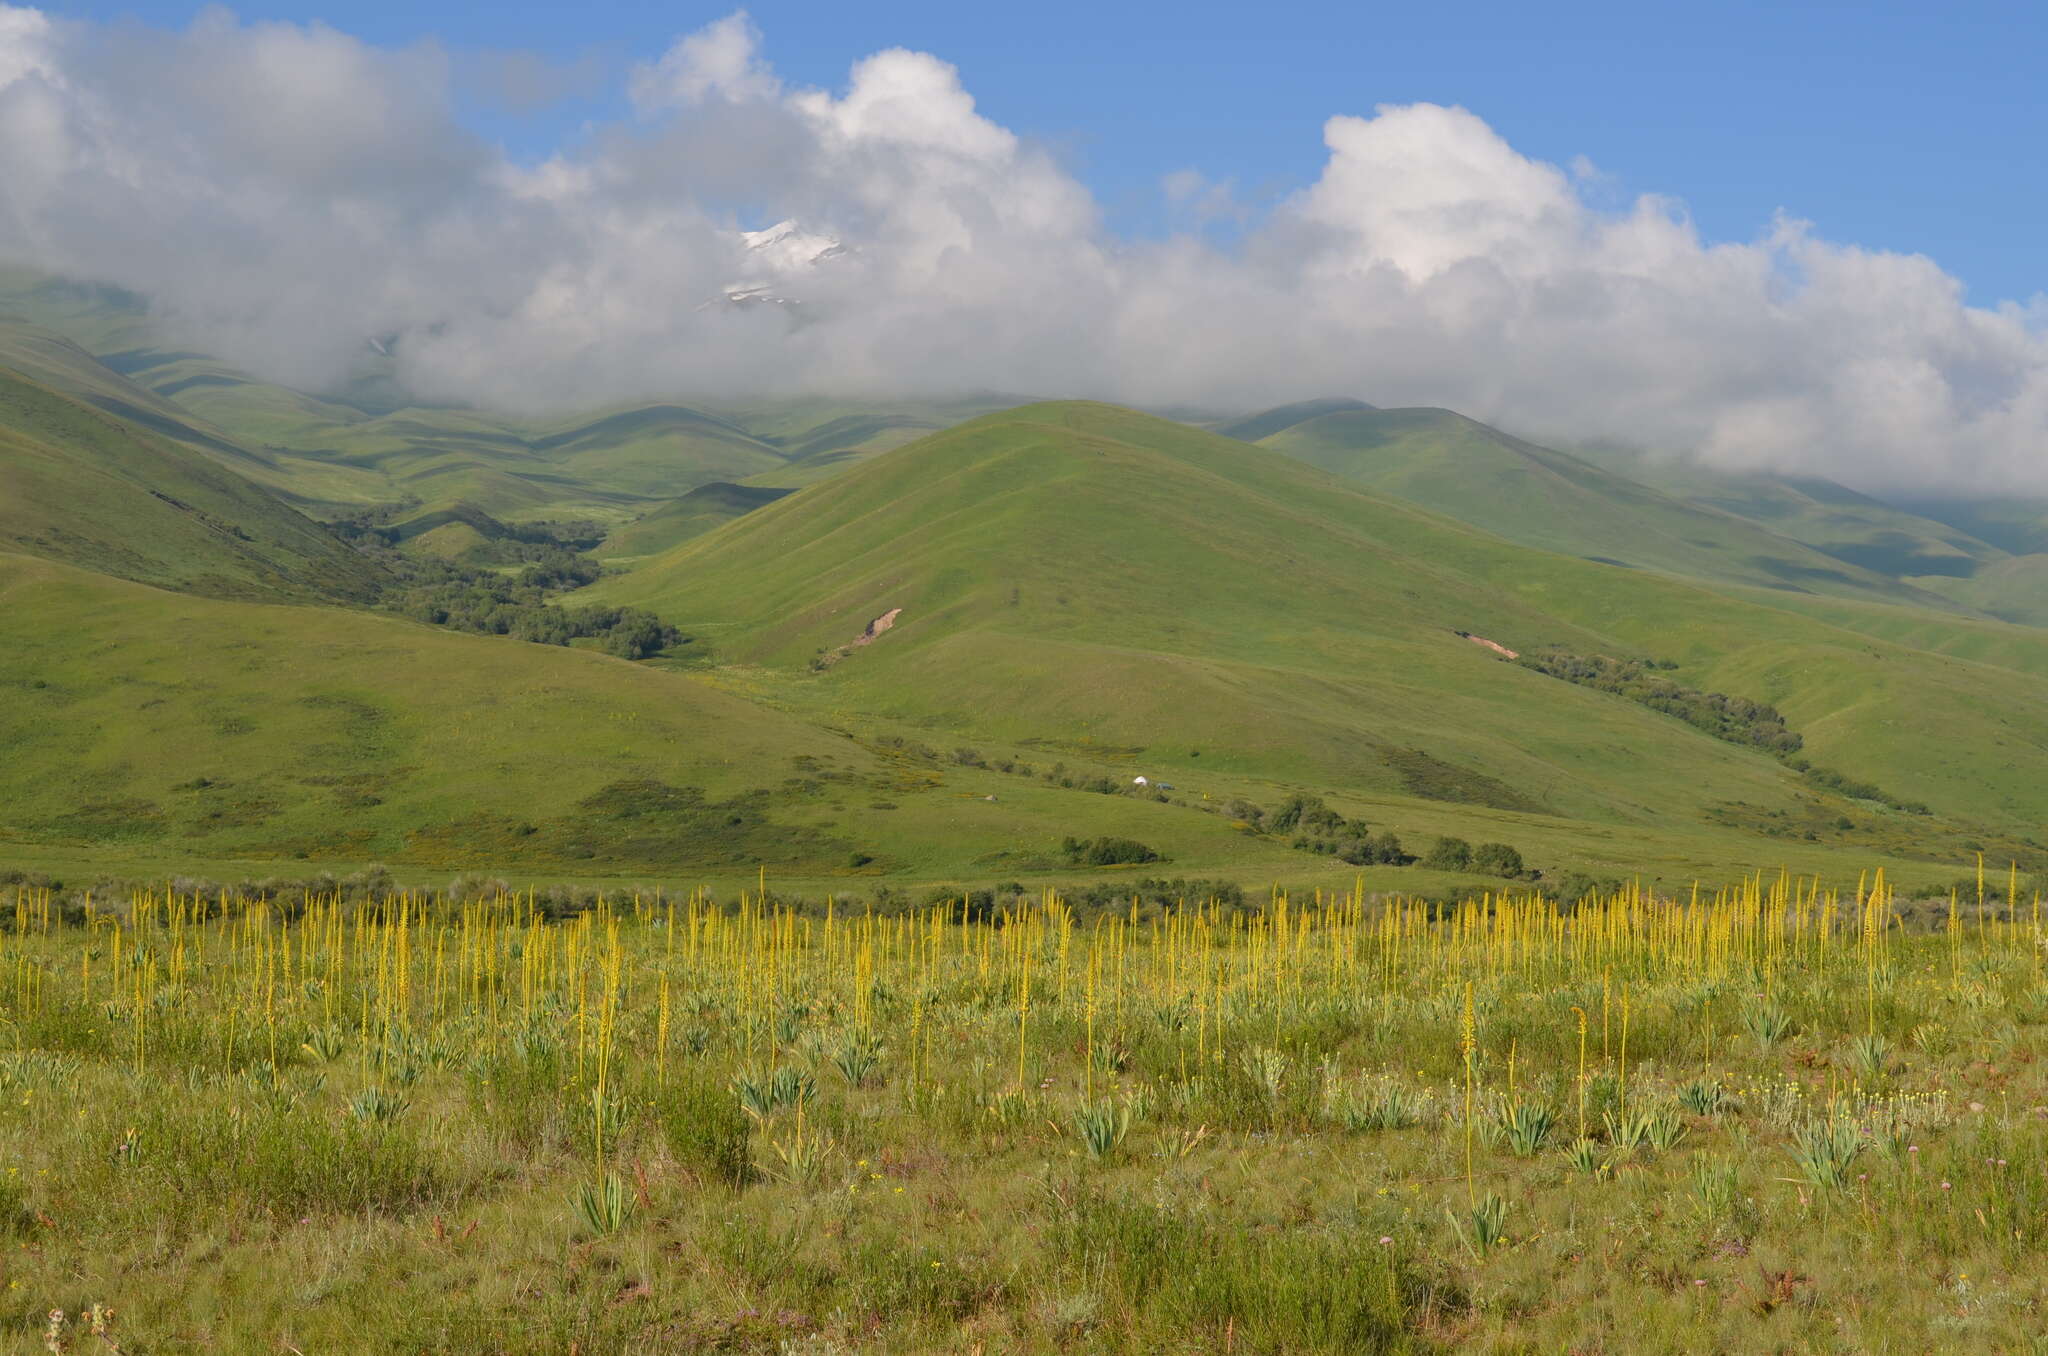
284	192
721	60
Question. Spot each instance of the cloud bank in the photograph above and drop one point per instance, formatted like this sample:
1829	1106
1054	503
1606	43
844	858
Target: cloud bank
284	193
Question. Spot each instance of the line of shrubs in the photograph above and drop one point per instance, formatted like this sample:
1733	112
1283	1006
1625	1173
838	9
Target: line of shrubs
1312	826
1736	720
1733	720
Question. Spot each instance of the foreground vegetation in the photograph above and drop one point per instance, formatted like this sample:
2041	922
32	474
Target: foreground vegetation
1771	1118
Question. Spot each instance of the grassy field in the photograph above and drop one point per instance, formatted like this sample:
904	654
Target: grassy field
1776	1118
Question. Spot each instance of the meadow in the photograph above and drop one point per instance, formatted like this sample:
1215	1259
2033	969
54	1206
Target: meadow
1782	1115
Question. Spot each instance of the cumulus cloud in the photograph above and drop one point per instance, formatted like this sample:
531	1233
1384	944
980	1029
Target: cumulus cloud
282	193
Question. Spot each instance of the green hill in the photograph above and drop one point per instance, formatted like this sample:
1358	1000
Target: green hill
686	516
2012	523
1984	555
1559	502
2012	588
149	727
82	486
1890	539
820	437
1283	417
1083	576
1057	584
367	445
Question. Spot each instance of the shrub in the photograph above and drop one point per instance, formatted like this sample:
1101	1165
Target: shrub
1498	859
1449	854
1107	851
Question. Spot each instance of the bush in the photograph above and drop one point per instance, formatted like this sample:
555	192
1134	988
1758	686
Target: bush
1308	813
1498	859
1449	854
1107	851
1383	850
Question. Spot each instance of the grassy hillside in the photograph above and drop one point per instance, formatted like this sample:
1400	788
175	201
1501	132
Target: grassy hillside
1986	556
81	486
819	438
686	517
142	725
2013	588
2012	523
1887	538
151	731
1559	502
1064	584
1092	578
1266	423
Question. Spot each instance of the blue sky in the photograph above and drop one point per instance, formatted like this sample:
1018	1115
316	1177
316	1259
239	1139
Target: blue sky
1905	127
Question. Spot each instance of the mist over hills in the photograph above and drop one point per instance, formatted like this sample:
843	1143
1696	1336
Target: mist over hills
888	238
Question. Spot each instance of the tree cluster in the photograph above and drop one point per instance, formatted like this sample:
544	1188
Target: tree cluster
468	597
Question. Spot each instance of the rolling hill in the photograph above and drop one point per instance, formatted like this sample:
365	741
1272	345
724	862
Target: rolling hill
150	727
1088	576
1253	428
82	486
1284	601
1559	502
1081	576
684	517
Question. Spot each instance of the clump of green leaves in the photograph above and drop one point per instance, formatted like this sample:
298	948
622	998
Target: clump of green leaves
1103	1127
1524	1127
604	1207
1825	1152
